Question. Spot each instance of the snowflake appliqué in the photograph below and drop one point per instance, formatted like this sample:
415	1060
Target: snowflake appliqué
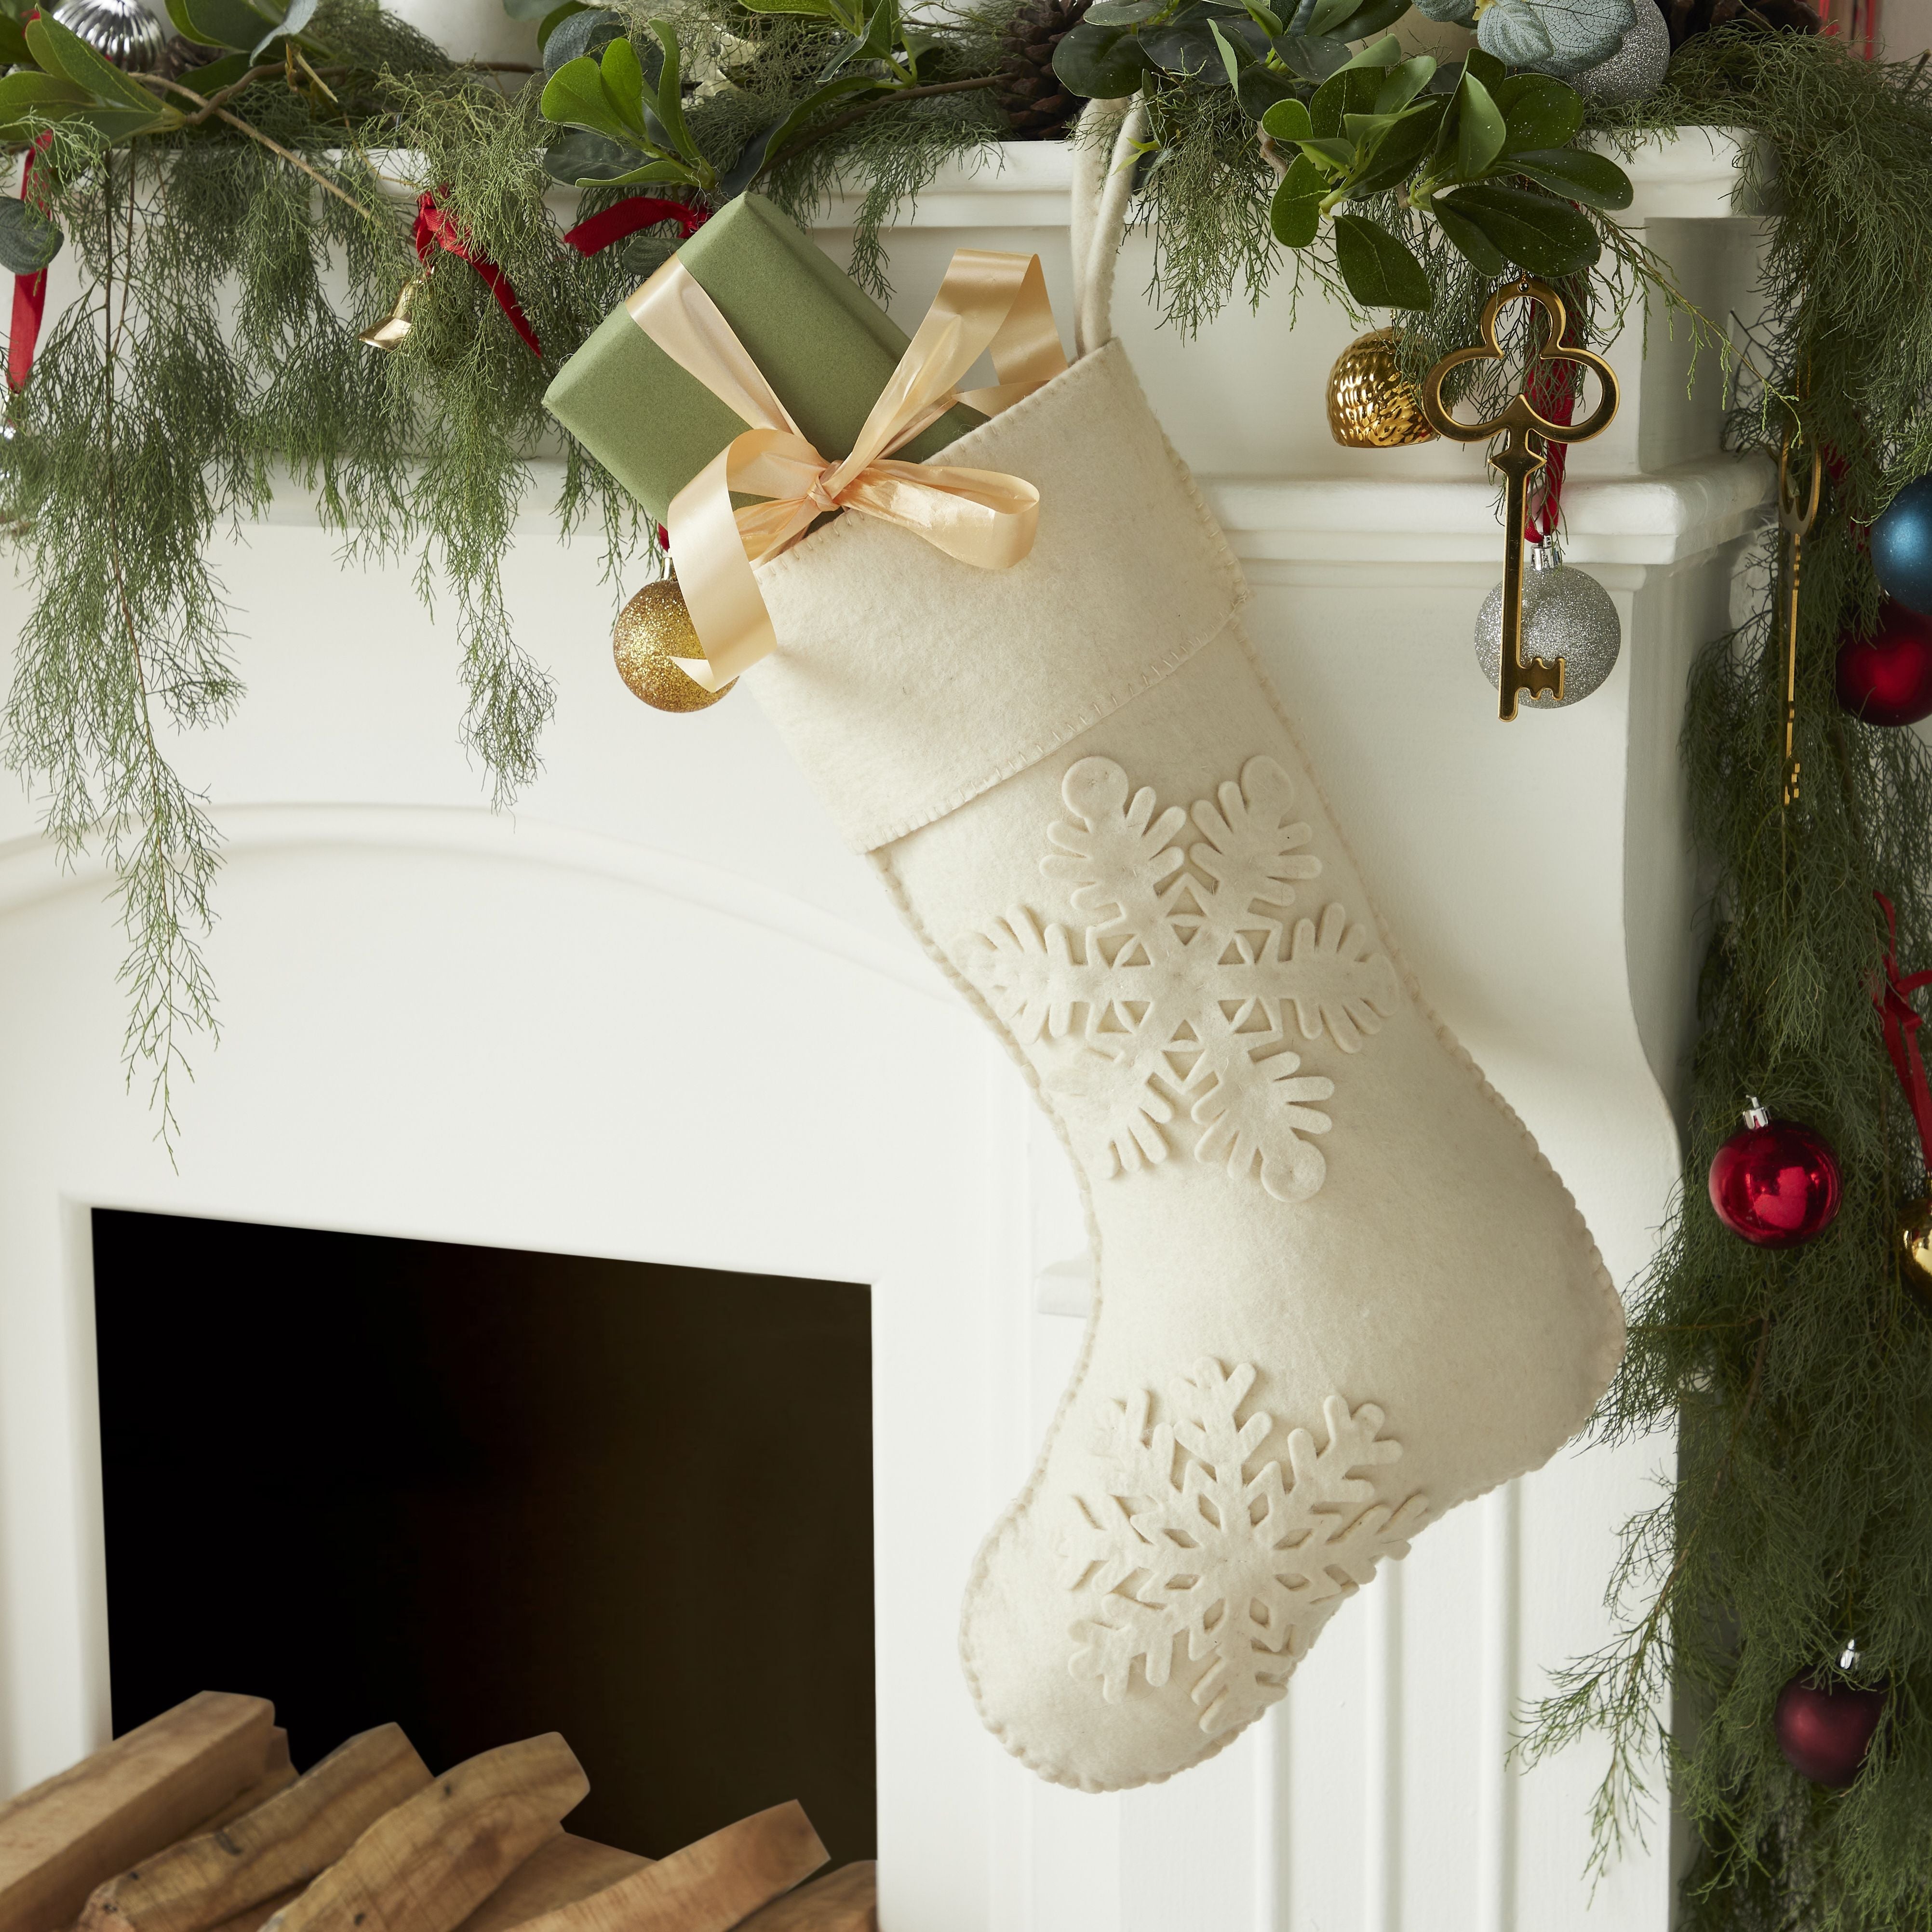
1175	995
1247	1568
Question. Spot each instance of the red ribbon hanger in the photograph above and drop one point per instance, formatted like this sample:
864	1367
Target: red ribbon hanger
623	219
1890	994
436	228
30	296
1552	392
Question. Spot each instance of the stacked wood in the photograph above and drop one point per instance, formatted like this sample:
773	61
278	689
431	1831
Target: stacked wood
197	1823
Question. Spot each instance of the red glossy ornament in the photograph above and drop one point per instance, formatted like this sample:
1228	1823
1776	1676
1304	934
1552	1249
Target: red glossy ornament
1775	1184
1825	1728
1886	678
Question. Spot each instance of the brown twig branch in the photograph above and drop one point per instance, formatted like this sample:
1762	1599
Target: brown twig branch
212	107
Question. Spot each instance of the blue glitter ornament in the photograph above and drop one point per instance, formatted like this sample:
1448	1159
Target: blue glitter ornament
1901	546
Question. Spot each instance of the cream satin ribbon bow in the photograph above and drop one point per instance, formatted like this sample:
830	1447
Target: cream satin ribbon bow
987	302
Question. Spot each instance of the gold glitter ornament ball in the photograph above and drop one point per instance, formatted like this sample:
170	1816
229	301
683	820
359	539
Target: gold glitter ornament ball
1372	405
653	631
1914	1242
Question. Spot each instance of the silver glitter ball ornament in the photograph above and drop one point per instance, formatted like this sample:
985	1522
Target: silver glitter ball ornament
1636	67
1566	614
122	31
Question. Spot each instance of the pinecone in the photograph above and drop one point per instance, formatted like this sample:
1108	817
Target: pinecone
1027	92
1687	18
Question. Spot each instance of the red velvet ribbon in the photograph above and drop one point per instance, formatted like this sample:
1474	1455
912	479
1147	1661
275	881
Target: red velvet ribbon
622	220
437	228
1890	995
30	297
1552	391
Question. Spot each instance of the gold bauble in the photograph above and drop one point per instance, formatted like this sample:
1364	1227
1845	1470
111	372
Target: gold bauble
653	631
1915	1247
1372	405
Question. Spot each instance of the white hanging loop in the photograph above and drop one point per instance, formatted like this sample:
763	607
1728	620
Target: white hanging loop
1103	181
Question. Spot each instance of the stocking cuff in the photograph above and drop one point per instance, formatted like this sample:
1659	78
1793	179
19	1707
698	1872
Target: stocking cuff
907	684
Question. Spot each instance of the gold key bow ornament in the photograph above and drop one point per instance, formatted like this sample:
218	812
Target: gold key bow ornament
1527	434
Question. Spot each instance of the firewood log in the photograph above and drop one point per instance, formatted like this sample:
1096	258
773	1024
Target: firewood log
555	1874
427	1864
132	1798
278	1773
846	1900
276	1848
709	1886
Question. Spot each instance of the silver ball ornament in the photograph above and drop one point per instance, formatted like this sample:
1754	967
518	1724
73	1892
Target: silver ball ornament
1638	65
1566	614
123	31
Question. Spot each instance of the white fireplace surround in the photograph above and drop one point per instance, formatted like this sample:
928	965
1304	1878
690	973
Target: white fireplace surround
582	1027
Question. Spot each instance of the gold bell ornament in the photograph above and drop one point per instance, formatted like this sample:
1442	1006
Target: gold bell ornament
653	631
1915	1244
1372	404
394	326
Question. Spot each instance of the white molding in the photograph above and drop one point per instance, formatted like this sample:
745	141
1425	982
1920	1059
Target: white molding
30	871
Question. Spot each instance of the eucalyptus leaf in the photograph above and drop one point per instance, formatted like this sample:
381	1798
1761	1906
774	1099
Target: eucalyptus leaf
1349	90
1100	63
1287	121
59	50
1378	267
1327	14
1311	57
1186	50
1340	154
12	43
1479	132
1230	61
1265	18
1557	36
578	156
1405	81
300	13
555	17
1381	54
623	78
1535	231
1475	248
800	118
584	34
1399	150
574	96
1294	214
1486	67
28	241
1124	13
1595	180
220	23
651	173
1538	110
1370	19
1261	88
31	95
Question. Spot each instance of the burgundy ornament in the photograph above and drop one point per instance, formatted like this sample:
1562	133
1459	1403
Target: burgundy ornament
1886	678
1775	1183
1824	1727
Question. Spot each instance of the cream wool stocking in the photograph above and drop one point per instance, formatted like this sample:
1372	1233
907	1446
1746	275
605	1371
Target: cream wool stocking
1084	795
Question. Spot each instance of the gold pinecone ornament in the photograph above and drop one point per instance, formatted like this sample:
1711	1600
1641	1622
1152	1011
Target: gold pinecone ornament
1027	91
1372	405
653	631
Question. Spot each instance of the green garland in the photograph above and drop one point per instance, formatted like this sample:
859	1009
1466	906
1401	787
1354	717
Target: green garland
1799	1383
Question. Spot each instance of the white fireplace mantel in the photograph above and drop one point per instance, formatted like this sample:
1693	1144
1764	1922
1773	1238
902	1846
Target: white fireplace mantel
578	1027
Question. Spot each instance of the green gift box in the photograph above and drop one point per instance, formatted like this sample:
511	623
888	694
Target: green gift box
825	346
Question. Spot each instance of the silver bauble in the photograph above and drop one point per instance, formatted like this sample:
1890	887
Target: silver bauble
122	31
1566	614
1636	67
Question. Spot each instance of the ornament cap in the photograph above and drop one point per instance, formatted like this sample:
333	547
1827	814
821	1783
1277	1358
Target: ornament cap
1547	555
1756	1114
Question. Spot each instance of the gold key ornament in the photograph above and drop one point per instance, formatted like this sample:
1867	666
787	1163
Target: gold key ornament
1797	511
1527	435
